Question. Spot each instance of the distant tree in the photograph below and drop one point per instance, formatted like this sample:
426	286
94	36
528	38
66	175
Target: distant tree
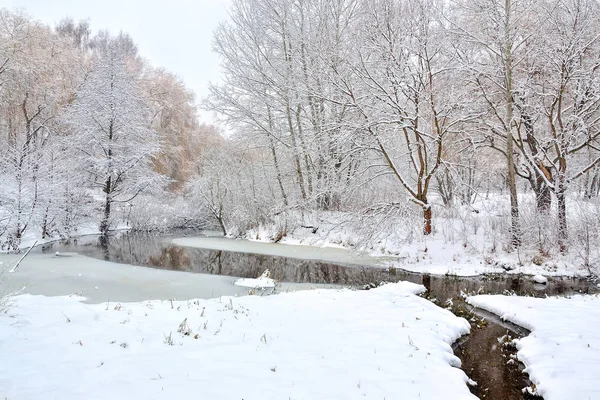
175	119
80	32
112	141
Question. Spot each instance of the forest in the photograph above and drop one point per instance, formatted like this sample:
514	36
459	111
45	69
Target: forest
375	125
375	199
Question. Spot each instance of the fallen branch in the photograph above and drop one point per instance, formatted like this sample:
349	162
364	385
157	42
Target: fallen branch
13	269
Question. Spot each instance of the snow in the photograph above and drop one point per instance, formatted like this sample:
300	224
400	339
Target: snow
255	283
435	257
539	279
319	344
562	353
84	231
262	282
467	240
328	254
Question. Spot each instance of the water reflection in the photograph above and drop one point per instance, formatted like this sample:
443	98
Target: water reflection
158	252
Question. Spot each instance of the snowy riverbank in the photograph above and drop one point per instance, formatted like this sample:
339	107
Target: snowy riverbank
436	258
562	353
466	240
312	344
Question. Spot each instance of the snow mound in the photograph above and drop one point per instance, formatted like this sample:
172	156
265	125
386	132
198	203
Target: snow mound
318	344
262	282
562	353
539	279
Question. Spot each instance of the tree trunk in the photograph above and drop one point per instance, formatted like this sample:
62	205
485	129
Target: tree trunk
275	161
222	224
427	219
299	174
426	214
45	224
543	200
512	185
591	188
543	195
104	225
562	216
278	172
288	110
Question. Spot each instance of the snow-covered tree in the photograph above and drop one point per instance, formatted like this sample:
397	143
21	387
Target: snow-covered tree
111	138
38	79
405	92
492	37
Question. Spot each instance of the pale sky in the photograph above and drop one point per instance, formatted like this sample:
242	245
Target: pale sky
175	34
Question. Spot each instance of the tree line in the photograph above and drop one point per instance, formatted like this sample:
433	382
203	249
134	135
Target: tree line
357	105
87	128
363	110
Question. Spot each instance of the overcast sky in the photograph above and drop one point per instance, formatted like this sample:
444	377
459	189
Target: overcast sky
175	34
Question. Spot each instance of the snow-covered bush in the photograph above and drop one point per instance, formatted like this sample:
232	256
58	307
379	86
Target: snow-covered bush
149	213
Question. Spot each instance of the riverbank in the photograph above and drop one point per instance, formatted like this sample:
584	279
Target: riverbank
562	352
312	344
435	259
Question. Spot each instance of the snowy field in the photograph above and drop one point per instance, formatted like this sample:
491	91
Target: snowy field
321	344
562	353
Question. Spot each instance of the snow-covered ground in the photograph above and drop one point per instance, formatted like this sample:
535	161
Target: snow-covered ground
467	240
440	258
34	236
321	344
562	353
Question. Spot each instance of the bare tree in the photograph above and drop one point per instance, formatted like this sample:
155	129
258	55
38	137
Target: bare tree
493	35
569	98
399	92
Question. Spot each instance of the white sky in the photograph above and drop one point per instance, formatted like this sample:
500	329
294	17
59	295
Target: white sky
175	34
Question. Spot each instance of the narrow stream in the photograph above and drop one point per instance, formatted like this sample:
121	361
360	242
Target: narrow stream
485	358
485	355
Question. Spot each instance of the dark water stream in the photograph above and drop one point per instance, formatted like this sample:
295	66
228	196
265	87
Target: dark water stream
484	357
